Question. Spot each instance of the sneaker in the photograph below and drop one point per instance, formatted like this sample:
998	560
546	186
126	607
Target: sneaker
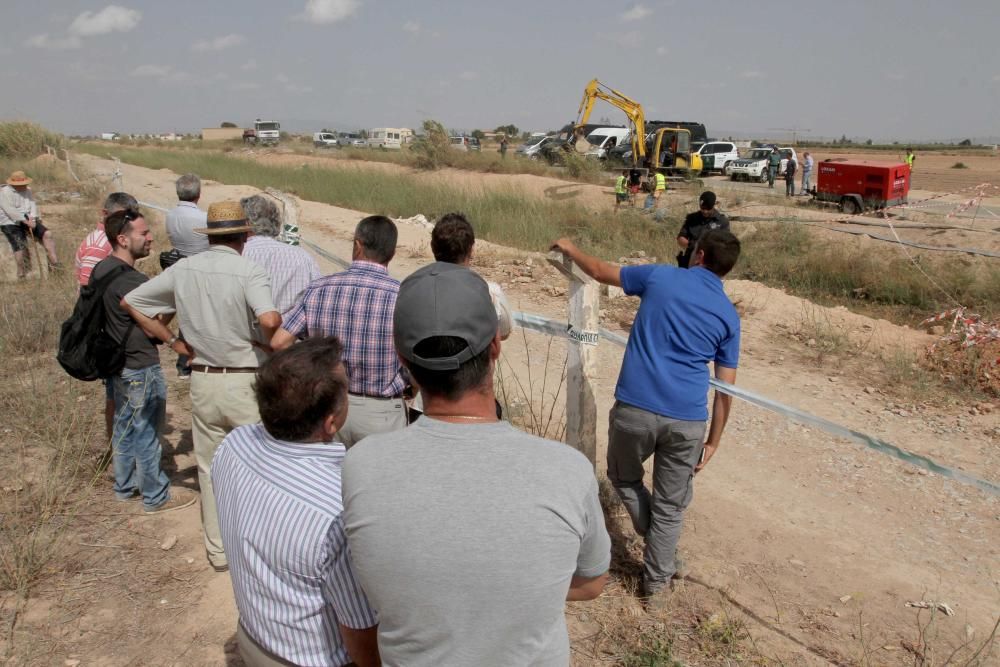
179	499
219	568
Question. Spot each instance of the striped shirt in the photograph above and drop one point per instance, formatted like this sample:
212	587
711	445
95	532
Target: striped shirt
94	248
355	306
291	268
279	511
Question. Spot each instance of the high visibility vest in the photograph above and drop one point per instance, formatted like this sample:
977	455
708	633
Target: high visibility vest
909	160
661	182
620	185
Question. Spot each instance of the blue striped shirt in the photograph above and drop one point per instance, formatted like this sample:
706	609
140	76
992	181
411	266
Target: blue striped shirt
279	509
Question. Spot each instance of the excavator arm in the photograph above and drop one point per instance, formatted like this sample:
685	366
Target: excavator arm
596	90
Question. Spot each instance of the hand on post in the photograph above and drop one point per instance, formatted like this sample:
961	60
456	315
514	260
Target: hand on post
564	245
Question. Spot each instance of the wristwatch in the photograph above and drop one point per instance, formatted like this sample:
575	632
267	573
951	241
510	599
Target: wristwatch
173	339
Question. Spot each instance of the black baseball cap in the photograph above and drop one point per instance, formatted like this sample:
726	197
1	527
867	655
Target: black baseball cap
443	299
707	199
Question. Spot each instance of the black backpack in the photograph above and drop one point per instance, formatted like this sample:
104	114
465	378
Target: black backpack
86	351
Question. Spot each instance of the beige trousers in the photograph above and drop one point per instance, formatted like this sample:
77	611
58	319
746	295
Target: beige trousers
366	416
219	403
255	655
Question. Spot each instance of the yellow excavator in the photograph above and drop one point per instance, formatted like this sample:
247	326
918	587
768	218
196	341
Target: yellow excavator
668	147
596	90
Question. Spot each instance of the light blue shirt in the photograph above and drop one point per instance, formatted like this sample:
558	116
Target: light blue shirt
182	220
279	511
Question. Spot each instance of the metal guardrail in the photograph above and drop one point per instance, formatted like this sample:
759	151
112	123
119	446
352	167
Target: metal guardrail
552	327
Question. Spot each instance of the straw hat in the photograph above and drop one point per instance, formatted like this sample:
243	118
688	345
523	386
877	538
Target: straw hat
18	178
225	217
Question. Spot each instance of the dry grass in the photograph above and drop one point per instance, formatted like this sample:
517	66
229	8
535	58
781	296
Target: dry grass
24	139
52	435
535	403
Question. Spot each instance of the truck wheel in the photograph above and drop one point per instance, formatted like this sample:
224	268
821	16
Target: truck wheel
725	169
849	206
763	177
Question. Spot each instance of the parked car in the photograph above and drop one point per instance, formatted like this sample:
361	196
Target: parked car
754	166
352	139
463	143
603	139
717	155
325	140
532	148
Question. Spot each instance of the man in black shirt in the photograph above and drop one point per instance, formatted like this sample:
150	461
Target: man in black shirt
140	392
790	168
696	224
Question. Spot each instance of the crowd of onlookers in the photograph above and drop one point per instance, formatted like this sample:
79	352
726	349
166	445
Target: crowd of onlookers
356	477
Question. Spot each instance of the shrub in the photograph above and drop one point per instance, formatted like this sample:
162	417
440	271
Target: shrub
579	166
24	139
433	150
959	165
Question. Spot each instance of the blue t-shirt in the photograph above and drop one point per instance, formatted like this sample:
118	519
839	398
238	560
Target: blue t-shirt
685	320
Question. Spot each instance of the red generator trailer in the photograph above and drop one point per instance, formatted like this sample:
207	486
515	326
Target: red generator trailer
860	185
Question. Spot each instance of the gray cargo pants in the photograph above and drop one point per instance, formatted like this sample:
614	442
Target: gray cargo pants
634	435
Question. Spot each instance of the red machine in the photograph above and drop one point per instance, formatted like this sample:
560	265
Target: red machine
861	185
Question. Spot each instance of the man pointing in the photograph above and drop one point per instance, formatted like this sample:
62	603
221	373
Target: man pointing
685	321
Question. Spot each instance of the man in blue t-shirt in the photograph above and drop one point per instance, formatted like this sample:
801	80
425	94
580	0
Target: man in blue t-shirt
685	321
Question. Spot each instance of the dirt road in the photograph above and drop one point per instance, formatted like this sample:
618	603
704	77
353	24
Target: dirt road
821	540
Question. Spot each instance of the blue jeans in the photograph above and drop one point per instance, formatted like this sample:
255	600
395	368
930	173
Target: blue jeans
140	409
806	173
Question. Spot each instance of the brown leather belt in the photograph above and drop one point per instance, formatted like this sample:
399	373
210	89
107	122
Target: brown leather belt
200	368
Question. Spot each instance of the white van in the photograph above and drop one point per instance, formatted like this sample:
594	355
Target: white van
604	139
385	137
325	140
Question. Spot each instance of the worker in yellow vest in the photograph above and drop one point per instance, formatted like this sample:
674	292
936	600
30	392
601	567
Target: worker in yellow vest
621	189
910	157
661	187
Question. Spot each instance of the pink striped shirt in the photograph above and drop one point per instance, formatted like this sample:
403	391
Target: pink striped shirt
93	249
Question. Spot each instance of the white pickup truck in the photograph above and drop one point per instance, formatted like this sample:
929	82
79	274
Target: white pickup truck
754	166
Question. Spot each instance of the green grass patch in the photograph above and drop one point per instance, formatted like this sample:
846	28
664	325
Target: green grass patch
866	273
487	161
504	216
871	277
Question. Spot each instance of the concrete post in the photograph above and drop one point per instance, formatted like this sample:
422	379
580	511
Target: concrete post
584	321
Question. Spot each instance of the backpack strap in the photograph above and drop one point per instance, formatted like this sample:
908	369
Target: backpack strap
105	283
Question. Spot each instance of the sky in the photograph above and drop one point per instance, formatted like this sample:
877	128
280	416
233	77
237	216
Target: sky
903	70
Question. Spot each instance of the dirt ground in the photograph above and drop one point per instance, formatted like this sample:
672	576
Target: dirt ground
814	542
